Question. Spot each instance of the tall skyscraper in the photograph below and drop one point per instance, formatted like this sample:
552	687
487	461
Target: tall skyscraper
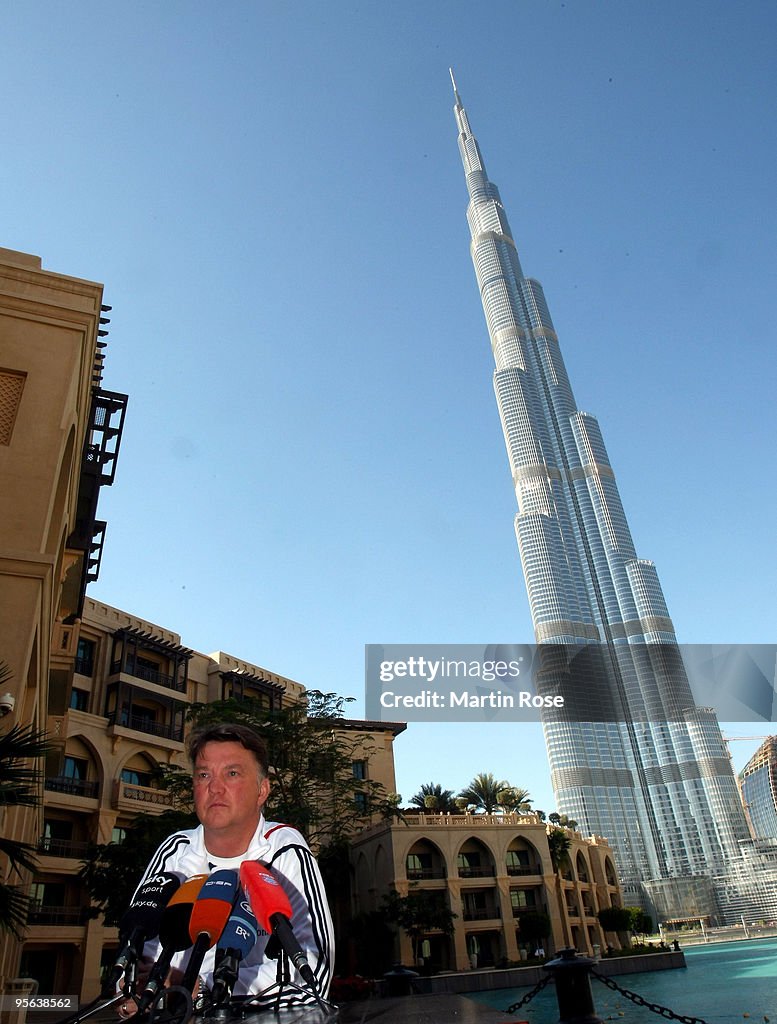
654	778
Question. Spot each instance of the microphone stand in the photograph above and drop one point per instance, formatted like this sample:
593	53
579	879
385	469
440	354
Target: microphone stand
103	1003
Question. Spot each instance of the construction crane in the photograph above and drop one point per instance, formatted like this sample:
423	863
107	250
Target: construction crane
731	739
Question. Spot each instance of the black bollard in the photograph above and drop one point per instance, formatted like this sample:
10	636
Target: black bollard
572	975
399	981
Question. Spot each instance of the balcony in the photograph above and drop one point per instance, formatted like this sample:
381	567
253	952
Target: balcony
140	723
72	787
149	675
151	658
138	799
476	872
57	916
424	874
521	869
480	913
62	847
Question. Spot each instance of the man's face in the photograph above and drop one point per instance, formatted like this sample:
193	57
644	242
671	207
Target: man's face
228	791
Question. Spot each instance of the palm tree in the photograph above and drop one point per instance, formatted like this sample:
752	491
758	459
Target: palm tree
18	788
484	792
562	819
515	799
558	845
431	796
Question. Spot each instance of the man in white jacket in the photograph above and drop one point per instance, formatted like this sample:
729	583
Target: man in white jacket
231	786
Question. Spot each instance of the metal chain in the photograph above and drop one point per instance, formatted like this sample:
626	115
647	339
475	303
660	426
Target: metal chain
662	1011
530	995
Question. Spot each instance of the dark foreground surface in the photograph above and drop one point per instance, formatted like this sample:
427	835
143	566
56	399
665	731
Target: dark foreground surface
425	1009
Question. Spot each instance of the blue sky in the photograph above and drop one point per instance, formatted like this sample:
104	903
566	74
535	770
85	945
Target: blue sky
273	196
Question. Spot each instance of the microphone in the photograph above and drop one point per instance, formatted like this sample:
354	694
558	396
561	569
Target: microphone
210	915
174	936
273	912
237	940
140	922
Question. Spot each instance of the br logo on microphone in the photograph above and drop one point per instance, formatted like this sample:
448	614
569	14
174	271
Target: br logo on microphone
268	878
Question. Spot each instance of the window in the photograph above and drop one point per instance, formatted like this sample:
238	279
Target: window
522	899
75	768
419	865
136	778
85	657
118	834
79	699
517	862
360	799
469	864
48	894
55	832
359	769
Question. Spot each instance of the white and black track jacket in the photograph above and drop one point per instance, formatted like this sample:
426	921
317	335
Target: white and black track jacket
283	849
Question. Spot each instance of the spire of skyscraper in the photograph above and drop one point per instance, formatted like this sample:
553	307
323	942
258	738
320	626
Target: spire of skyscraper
455	90
655	778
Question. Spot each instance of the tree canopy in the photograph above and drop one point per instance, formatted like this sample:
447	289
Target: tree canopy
419	912
562	819
488	794
534	926
431	796
615	919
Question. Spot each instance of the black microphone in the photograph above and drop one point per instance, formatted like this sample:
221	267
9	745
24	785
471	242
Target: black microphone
209	916
273	912
139	923
237	940
174	936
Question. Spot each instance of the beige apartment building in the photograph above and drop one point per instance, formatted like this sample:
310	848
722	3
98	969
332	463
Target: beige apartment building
490	870
59	439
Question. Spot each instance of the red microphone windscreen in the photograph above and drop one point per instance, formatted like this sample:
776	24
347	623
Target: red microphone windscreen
214	905
264	892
